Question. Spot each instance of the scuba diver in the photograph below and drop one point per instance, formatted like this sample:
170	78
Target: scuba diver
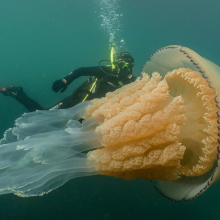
102	79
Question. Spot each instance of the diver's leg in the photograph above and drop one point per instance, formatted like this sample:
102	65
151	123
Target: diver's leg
68	102
20	96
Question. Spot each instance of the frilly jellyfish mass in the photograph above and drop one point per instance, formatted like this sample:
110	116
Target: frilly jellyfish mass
162	127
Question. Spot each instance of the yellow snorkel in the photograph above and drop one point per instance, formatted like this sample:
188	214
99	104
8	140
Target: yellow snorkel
112	56
112	61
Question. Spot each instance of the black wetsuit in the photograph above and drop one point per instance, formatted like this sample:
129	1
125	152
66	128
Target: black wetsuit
106	81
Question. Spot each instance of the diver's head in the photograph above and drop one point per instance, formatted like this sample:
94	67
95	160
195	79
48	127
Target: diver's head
124	60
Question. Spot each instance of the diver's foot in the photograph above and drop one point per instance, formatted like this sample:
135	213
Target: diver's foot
12	91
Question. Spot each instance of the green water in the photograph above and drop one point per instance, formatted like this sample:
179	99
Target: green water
44	40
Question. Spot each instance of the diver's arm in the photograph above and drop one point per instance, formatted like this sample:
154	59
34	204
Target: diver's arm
84	71
61	84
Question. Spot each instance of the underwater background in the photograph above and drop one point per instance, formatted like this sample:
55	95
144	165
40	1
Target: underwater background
44	40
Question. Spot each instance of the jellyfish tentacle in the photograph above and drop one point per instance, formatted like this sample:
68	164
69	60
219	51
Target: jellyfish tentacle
50	156
43	121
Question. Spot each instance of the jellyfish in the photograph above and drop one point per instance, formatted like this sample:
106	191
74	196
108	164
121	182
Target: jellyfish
163	127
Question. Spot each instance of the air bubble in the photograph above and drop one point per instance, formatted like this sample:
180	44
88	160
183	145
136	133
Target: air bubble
110	21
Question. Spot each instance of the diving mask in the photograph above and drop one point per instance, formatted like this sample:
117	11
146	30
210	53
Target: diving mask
123	64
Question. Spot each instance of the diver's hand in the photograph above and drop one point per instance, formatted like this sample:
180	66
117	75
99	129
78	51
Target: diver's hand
60	84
